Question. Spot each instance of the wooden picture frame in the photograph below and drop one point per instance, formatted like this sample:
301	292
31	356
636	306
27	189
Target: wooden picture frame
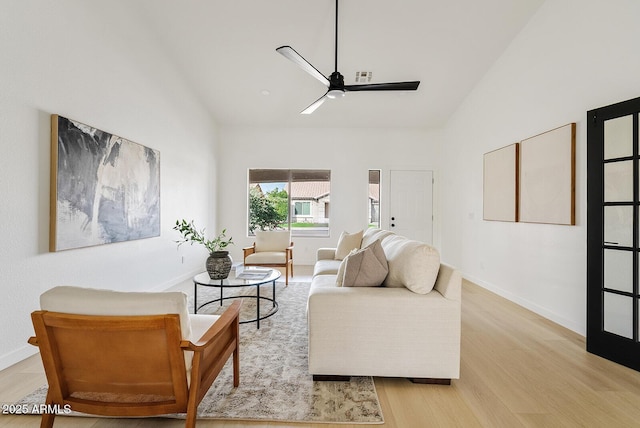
104	188
547	177
500	184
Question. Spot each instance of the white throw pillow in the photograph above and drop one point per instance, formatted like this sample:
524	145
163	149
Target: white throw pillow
348	242
366	267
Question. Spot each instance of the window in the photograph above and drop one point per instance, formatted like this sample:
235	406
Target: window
302	208
373	200
292	199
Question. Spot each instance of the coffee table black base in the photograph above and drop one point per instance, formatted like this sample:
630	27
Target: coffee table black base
258	318
203	280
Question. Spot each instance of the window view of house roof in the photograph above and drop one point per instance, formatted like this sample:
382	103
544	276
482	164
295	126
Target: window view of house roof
374	191
308	189
320	189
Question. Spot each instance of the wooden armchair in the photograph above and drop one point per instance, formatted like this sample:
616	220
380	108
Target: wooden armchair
272	248
130	354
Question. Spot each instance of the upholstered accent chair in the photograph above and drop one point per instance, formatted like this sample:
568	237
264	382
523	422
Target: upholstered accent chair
272	248
117	353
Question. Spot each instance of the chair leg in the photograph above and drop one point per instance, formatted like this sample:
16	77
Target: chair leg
286	275
47	420
236	366
47	417
192	413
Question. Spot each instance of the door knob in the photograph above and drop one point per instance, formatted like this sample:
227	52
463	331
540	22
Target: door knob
393	225
393	218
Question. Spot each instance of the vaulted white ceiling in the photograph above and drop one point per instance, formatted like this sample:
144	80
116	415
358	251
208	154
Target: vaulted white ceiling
226	51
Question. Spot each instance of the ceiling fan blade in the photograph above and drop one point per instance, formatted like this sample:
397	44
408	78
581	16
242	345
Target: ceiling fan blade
289	53
317	103
396	86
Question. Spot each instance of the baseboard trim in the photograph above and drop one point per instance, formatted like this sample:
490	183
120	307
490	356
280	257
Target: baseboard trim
13	357
527	304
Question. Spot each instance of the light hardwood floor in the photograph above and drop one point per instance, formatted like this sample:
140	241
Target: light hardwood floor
517	370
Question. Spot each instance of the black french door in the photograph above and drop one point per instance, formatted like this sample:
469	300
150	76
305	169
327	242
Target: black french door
613	228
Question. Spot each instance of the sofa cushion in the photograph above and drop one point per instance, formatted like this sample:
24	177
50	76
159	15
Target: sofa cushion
412	264
348	242
366	267
372	234
326	267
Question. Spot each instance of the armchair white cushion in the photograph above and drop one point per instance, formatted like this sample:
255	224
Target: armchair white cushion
272	240
92	301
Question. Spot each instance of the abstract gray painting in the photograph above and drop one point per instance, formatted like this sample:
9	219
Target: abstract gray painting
104	188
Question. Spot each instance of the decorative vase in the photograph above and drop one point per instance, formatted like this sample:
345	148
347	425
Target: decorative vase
219	264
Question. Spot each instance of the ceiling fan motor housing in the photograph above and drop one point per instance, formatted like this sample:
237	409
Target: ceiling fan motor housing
336	80
336	85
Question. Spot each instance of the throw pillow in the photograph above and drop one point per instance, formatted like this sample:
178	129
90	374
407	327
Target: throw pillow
348	242
412	264
343	264
366	267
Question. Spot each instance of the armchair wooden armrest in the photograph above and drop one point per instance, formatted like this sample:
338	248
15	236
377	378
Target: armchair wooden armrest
210	353
212	350
249	250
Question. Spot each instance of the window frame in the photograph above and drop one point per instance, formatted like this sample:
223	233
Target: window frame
374	174
288	178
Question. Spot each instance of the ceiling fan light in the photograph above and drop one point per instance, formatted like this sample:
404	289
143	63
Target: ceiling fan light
335	93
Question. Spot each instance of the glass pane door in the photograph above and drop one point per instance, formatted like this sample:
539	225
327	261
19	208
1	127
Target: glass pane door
613	216
619	191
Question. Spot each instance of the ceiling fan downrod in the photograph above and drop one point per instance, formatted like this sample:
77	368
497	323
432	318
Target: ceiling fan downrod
336	51
336	80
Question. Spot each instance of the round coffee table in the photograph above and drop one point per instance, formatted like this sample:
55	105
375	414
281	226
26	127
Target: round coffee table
233	282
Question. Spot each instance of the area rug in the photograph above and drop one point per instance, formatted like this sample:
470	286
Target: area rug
274	381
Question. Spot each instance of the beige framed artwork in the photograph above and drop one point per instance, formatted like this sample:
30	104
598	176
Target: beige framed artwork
500	184
547	177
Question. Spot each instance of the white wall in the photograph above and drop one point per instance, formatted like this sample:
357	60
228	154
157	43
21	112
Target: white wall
93	63
348	153
574	55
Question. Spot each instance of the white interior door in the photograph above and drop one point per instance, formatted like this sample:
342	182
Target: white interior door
411	204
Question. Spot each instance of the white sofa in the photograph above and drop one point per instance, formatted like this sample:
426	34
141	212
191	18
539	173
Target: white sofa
387	331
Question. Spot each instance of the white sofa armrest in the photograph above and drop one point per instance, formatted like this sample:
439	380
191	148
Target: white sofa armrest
449	283
326	254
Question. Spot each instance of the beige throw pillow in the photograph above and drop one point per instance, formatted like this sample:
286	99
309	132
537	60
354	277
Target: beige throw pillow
348	242
343	264
366	267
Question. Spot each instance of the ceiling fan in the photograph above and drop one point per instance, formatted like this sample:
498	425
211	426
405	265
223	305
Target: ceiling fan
335	83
